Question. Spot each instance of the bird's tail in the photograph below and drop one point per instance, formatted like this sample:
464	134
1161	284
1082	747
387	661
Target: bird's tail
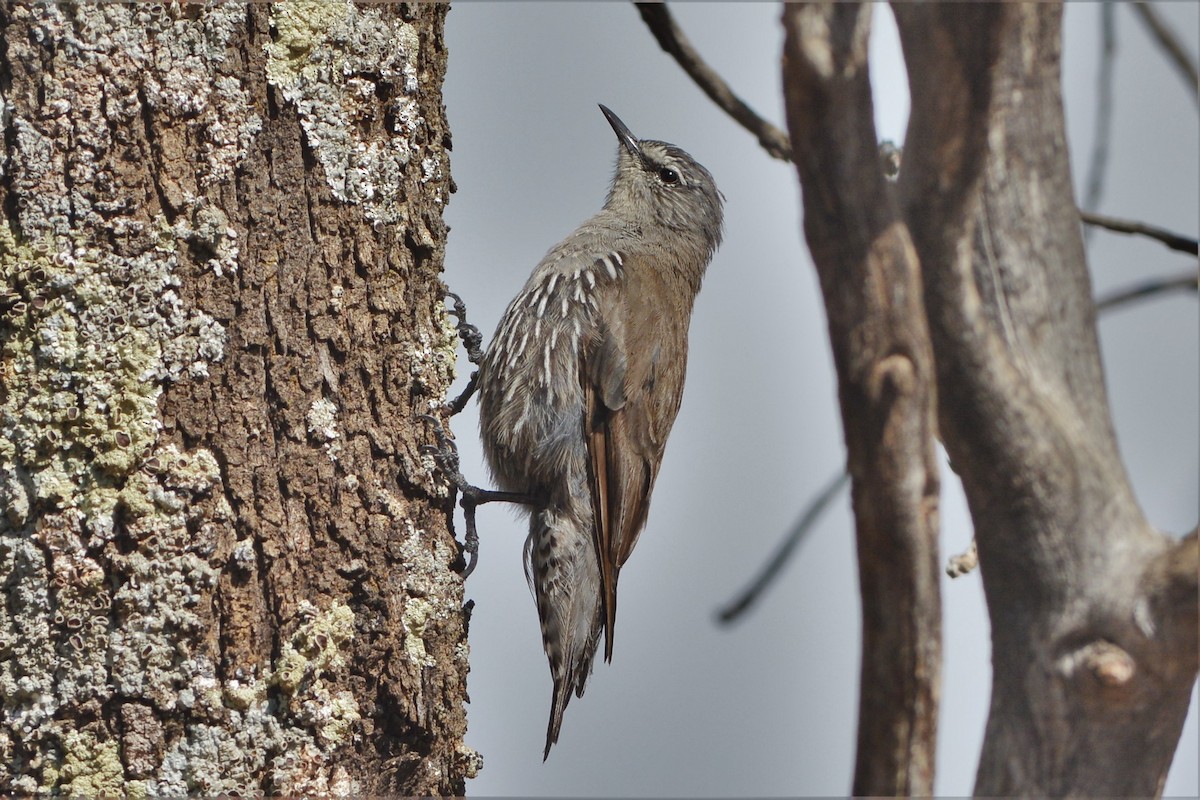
558	704
560	563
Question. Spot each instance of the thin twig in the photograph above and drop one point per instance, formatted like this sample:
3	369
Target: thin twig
961	564
1188	281
780	557
1171	45
671	39
1098	163
1172	240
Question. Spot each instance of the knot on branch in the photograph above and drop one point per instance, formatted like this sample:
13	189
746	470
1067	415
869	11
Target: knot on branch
895	376
1112	666
1104	662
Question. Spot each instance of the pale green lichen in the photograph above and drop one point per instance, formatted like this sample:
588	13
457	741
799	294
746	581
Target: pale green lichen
316	646
470	759
335	717
219	759
417	612
90	338
425	580
226	758
307	668
434	358
286	735
322	419
328	58
336	292
90	768
75	654
301	27
27	685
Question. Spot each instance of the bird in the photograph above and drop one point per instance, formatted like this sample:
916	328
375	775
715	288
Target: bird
581	384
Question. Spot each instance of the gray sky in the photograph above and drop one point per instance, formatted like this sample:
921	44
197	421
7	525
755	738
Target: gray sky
767	707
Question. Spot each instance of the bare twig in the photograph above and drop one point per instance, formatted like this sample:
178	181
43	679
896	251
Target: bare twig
958	565
1098	163
1171	240
660	22
1188	281
775	563
1171	45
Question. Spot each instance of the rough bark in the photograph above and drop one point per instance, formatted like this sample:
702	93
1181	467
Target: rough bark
226	566
871	282
1093	612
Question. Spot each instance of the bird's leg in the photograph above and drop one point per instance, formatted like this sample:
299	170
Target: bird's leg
459	403
445	456
472	341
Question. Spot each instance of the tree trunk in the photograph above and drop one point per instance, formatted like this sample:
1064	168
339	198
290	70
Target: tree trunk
1094	613
871	283
226	563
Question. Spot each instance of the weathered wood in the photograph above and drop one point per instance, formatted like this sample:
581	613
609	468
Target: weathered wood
1093	655
871	282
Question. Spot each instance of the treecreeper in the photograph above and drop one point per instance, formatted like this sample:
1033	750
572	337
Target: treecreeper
581	384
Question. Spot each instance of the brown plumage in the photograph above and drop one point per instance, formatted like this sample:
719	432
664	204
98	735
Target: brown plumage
582	383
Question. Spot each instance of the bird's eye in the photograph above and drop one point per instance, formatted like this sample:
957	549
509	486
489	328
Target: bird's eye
668	176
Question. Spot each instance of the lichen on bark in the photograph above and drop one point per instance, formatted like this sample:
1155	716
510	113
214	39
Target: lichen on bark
218	319
328	59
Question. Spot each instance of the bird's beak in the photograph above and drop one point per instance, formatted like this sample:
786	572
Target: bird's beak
627	139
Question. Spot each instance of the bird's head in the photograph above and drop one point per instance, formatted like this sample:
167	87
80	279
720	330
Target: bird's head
659	183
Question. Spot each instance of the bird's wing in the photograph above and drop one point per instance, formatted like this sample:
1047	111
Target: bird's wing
630	404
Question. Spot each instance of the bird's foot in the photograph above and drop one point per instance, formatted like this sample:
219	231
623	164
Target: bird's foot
445	457
472	341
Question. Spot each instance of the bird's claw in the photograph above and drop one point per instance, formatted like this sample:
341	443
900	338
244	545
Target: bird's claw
471	338
472	341
445	457
445	452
